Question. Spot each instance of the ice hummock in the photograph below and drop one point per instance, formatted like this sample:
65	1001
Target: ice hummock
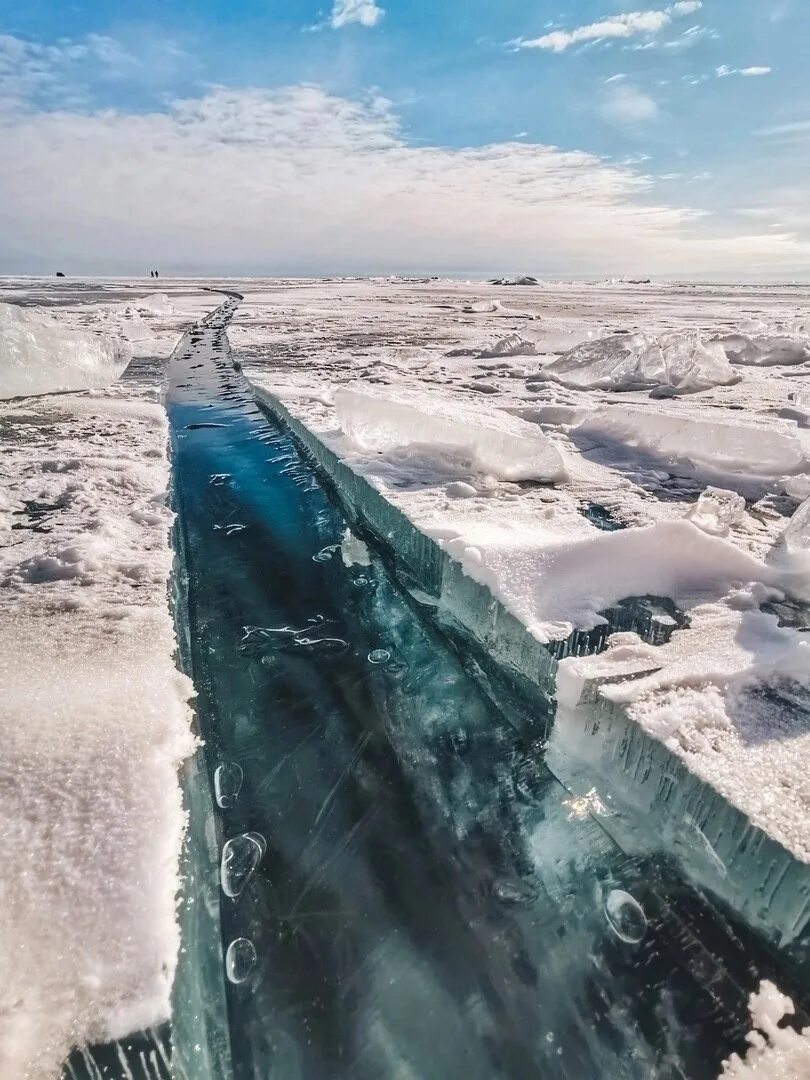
682	361
38	355
491	442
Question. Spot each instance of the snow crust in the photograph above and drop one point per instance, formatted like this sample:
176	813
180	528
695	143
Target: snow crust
499	445
38	355
682	361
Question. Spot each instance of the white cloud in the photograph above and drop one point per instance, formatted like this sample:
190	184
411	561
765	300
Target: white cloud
615	78
797	127
65	73
724	70
623	25
295	180
627	105
364	12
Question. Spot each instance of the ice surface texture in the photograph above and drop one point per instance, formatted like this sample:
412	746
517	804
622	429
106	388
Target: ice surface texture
39	356
494	443
682	361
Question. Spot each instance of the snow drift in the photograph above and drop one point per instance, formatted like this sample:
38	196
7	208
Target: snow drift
682	361
491	442
39	356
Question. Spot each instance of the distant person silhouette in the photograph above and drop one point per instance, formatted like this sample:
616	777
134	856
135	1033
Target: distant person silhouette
157	274
151	273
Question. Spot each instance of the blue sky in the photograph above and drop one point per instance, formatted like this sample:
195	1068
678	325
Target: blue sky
587	137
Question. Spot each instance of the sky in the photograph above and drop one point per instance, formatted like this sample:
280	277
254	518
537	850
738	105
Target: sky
562	138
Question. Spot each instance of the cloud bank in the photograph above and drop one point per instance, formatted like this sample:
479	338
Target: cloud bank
296	180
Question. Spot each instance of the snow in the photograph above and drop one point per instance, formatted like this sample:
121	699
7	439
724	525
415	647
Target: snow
94	719
777	1053
38	355
681	361
498	445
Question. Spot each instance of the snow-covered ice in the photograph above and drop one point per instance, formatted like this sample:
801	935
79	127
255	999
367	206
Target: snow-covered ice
647	466
93	716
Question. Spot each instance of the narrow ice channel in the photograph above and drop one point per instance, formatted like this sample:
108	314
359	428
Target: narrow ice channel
383	878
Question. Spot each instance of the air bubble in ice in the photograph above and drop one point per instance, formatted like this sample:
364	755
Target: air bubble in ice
379	656
227	783
717	510
240	960
326	644
625	916
513	892
325	554
240	857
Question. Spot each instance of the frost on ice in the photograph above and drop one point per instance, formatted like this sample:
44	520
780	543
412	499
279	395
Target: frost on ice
681	361
40	356
497	444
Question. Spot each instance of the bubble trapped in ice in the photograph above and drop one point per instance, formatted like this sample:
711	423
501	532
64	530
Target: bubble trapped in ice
379	656
227	784
240	960
240	857
625	916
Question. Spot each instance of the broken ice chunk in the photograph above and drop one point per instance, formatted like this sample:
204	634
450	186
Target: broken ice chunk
240	960
765	350
494	442
240	857
625	916
459	490
682	361
511	345
797	535
717	510
39	355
